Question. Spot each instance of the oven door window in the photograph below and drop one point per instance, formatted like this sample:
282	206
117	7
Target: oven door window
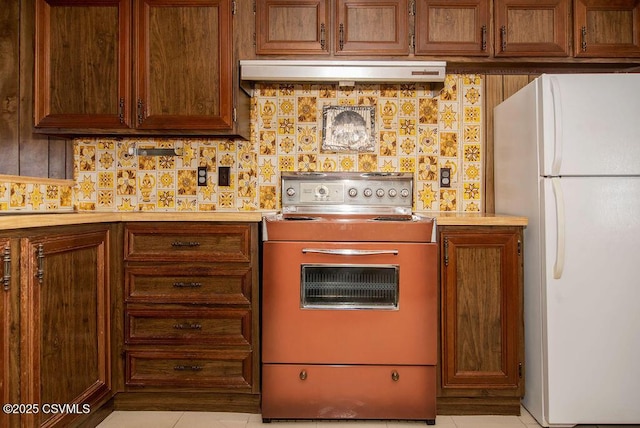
349	286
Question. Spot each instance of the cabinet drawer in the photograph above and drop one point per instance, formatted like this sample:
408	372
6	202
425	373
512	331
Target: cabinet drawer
328	392
187	242
145	325
190	284
224	369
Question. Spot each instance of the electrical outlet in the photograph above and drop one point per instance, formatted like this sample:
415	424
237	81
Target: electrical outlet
202	176
445	177
224	175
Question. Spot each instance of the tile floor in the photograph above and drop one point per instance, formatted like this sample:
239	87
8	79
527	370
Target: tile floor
121	419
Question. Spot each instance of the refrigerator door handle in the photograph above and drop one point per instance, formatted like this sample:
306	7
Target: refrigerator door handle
558	267
557	125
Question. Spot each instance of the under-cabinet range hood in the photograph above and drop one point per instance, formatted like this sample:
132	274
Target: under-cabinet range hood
345	73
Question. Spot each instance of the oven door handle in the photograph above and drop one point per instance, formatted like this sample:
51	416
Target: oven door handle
348	252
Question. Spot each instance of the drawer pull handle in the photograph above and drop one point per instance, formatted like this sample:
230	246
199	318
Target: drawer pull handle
188	326
189	368
303	375
187	284
185	244
395	376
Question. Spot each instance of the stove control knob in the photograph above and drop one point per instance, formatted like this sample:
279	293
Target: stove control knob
291	191
353	192
404	193
393	193
367	192
380	193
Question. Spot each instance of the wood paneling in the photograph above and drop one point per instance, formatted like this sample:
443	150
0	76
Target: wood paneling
23	152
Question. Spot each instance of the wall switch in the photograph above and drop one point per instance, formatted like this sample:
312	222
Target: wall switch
224	175
202	176
445	177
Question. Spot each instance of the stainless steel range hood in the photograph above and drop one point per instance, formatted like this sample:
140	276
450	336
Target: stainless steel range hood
345	73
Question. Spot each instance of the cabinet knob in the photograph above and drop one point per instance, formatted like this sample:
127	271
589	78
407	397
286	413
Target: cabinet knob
395	376
303	374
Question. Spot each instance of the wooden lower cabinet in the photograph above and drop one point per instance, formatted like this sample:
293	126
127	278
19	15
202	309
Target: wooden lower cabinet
481	355
56	359
190	327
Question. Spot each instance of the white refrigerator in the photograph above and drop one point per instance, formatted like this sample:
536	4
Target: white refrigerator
567	156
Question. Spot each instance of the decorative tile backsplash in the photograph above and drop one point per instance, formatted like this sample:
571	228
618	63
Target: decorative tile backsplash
19	194
419	128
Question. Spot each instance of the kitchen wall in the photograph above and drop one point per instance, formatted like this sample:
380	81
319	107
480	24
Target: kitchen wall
418	128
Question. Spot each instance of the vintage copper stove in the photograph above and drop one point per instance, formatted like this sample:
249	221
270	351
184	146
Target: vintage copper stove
349	311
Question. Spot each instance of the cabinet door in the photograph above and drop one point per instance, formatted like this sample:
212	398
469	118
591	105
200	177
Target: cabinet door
292	27
82	67
9	330
372	27
607	28
452	27
65	312
532	28
481	312
184	73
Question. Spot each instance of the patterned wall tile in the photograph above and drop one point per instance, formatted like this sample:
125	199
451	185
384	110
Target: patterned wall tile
419	128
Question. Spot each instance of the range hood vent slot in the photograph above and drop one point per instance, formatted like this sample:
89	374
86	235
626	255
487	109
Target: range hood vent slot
345	73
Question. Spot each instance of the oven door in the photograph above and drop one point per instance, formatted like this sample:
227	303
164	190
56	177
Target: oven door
349	303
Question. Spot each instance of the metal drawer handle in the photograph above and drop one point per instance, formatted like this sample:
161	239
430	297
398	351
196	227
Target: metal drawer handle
349	252
395	376
188	326
189	368
185	244
187	284
303	375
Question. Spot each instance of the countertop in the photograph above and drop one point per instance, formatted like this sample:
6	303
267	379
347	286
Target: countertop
26	220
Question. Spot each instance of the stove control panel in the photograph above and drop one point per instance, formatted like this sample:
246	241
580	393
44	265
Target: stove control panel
346	191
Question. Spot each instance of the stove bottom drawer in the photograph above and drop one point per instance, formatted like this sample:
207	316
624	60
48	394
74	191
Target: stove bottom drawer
292	391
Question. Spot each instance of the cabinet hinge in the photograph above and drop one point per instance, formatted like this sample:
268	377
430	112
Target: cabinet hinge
6	279
254	7
235	115
40	258
519	247
233	7
520	370
412	41
412	8
446	251
255	40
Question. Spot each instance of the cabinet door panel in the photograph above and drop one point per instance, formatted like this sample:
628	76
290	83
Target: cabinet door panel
372	27
285	26
453	27
607	29
65	322
184	74
82	77
532	28
481	313
9	329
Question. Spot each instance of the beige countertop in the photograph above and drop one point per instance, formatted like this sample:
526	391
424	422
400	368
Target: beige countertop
23	221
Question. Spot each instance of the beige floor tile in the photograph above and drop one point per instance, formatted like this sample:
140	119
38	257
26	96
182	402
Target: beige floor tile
485	421
212	420
130	419
526	418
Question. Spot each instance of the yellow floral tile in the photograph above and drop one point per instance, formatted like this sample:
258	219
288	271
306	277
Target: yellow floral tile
419	128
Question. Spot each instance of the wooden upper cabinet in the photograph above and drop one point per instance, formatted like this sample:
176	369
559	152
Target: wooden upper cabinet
532	27
607	28
372	27
82	72
139	66
183	64
332	27
285	26
452	27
